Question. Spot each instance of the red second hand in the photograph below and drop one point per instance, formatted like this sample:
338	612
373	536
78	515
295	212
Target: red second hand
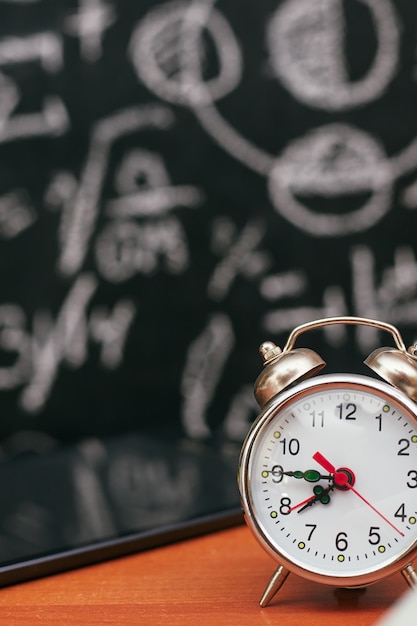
297	506
321	460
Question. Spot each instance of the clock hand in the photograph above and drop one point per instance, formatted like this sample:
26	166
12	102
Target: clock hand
320	495
310	475
341	479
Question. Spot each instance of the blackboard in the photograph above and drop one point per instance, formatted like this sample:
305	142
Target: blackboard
183	180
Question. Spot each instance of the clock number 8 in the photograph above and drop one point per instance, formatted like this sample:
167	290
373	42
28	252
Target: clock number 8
285	508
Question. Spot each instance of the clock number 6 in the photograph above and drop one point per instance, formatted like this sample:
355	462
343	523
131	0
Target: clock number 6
341	542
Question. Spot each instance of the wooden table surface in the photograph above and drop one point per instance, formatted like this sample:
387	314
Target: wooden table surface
214	579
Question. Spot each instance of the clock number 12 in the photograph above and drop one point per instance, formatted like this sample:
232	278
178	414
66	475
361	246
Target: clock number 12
347	411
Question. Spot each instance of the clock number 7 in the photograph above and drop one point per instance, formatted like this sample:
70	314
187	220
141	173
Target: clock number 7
313	528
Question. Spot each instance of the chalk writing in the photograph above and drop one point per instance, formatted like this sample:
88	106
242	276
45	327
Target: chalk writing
89	24
180	172
80	214
38	357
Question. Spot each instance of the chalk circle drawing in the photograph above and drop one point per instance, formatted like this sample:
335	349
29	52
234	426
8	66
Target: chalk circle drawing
334	161
306	40
165	42
167	50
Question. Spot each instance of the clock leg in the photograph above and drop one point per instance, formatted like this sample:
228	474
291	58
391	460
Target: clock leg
278	579
410	576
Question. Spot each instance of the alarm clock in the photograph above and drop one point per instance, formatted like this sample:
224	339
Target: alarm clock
328	471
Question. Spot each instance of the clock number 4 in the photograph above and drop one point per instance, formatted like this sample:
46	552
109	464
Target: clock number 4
400	513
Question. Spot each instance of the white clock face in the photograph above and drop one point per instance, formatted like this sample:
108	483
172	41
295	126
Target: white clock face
329	477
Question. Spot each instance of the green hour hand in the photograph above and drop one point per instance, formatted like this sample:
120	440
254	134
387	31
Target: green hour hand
310	475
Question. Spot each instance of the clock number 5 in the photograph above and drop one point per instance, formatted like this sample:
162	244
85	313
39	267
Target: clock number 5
374	537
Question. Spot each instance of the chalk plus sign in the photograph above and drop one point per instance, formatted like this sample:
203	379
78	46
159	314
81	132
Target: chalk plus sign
89	24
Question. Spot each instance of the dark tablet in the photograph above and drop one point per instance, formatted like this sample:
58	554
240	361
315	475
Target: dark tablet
100	499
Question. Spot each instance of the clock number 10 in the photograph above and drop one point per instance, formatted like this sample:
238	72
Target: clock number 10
292	446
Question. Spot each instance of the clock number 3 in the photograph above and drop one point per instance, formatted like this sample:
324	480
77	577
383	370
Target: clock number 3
412	475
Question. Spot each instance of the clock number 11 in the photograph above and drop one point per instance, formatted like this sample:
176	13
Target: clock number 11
318	418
